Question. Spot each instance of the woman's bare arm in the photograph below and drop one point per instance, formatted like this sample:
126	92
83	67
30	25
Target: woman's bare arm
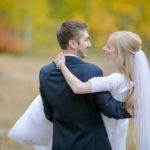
76	85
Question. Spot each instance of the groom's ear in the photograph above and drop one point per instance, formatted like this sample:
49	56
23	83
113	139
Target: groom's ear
72	44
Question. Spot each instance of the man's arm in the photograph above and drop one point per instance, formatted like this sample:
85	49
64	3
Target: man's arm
47	107
111	107
108	105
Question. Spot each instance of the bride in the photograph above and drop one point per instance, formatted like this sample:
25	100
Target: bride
129	85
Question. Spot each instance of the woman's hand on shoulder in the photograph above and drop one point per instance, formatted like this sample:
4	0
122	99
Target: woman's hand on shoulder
60	59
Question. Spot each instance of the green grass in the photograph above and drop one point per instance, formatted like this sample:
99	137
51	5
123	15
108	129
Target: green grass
19	85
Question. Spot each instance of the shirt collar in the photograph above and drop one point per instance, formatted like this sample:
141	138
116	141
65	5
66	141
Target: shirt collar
70	55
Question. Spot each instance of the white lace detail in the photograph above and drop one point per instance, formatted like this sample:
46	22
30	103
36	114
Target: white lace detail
107	83
114	83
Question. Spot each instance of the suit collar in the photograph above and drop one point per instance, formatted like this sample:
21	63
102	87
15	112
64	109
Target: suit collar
73	60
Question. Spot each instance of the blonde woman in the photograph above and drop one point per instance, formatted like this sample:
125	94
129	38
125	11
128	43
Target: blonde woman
129	85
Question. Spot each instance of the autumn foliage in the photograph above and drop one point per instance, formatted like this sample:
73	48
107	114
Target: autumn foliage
34	22
10	43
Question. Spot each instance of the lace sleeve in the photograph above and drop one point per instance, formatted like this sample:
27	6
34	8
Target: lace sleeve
107	83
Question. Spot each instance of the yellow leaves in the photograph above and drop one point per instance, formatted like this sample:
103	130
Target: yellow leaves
11	43
102	23
145	29
96	3
123	7
78	16
39	11
73	4
102	16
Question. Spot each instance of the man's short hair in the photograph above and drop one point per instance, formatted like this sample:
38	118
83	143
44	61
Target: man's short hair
69	30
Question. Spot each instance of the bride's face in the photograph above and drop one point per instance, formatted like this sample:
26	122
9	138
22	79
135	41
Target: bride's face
110	50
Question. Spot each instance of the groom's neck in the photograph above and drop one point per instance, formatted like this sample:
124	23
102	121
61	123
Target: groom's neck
69	52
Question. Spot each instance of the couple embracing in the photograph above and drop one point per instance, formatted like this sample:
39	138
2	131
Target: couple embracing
89	111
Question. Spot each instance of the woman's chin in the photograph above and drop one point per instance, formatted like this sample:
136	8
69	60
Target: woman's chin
111	61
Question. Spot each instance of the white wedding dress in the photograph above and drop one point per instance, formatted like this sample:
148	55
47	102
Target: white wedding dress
118	86
33	129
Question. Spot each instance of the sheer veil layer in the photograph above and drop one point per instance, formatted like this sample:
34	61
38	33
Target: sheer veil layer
142	101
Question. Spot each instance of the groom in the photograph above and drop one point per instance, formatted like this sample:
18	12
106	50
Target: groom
77	123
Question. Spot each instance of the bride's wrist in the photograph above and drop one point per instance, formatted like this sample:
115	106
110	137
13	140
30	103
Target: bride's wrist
60	64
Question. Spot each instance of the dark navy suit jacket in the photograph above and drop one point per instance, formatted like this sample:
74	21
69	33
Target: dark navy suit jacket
77	123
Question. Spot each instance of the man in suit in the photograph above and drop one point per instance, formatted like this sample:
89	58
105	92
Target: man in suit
77	123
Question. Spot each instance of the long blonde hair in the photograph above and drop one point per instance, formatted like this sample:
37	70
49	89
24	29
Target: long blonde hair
126	44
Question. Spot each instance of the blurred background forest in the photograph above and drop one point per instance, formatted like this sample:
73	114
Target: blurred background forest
28	26
28	41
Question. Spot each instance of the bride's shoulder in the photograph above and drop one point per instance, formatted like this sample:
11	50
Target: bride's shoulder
117	76
116	79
